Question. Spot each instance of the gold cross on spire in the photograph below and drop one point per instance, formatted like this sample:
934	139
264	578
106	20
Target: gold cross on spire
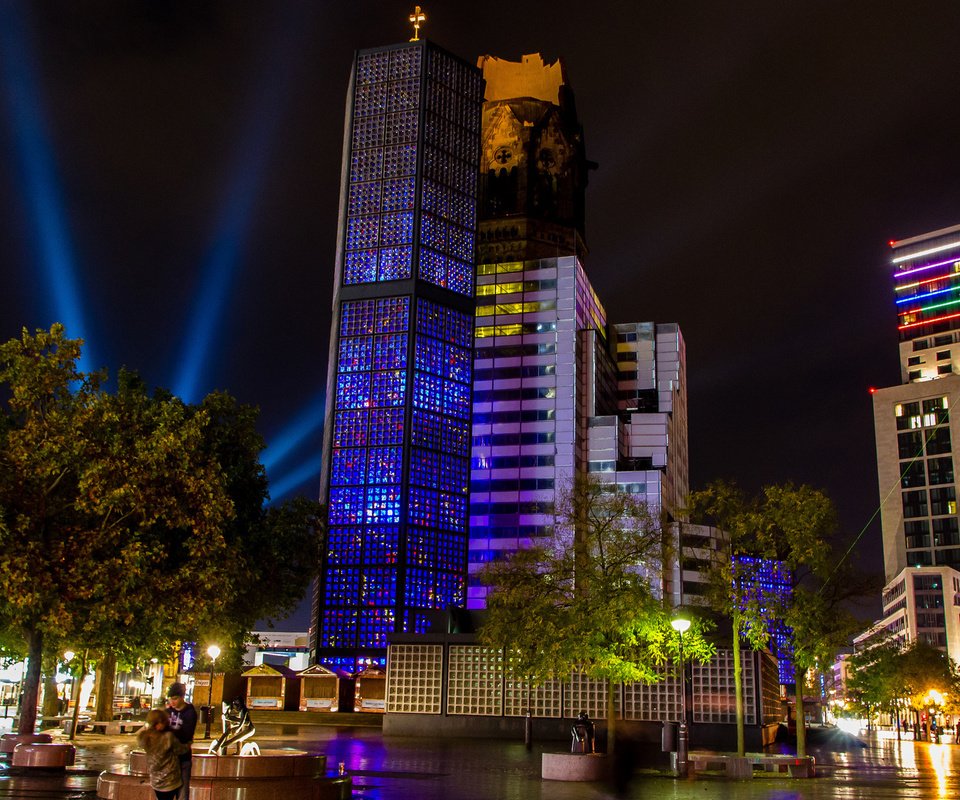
416	18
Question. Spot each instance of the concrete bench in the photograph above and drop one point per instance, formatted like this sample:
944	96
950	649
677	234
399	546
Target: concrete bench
738	767
44	755
114	727
9	741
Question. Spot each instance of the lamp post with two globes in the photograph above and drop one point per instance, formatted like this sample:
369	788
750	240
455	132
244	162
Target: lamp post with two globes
213	651
681	625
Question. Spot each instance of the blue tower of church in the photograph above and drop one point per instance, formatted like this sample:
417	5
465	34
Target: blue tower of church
397	441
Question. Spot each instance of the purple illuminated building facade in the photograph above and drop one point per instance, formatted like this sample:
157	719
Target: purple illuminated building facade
558	390
397	433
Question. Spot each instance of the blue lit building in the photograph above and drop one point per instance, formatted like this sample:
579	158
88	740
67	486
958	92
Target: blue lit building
397	434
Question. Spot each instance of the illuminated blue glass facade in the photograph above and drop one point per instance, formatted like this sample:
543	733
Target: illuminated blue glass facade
397	440
769	582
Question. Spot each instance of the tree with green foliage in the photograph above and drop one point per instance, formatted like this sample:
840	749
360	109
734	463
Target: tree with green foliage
874	683
124	524
794	526
582	600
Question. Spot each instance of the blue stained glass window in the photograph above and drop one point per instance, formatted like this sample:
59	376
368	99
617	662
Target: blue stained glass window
370	98
419	593
374	626
461	243
348	467
457	363
455	436
420	547
390	352
386	426
462	210
430	319
355	355
435	196
385	464
393	314
449	589
459	277
373	67
403	95
397	228
339	627
356	318
346	505
360	266
450	549
427	391
405	62
364	198
343	587
350	428
433	232
424	467
366	165
379	586
429	355
398	194
383	504
401	127
388	388
399	160
343	546
456	399
395	263
362	232
453	474
432	267
381	543
353	390
368	137
453	512
421	623
427	429
423	506
460	329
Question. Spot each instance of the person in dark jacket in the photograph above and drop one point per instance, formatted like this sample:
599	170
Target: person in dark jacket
183	723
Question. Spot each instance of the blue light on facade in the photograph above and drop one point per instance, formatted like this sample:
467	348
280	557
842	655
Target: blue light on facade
396	457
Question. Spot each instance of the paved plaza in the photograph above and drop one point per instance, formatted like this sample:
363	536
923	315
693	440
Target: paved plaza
401	768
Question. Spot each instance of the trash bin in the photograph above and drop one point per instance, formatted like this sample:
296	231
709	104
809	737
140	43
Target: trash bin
205	714
668	738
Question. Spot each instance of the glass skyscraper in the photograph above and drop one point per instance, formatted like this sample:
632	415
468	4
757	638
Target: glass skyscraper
397	435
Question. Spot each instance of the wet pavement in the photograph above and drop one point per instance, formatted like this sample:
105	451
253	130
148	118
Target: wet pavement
876	767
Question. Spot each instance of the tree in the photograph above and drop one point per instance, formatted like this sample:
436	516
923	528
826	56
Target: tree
131	520
795	527
582	600
96	492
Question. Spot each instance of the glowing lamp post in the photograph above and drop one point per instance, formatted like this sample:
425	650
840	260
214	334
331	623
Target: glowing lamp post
213	651
680	625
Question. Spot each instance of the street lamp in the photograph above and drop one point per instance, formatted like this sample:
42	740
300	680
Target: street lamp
681	625
213	651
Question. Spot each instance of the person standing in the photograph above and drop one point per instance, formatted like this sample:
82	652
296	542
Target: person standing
163	751
183	723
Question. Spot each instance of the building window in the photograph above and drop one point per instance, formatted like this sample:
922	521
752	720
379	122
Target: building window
913	361
944	369
943	355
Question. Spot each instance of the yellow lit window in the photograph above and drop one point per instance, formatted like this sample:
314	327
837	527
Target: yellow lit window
487	288
510	266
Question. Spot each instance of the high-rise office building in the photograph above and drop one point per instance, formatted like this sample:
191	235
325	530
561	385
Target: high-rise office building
397	433
916	427
558	391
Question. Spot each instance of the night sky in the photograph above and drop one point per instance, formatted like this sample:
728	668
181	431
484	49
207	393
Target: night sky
169	181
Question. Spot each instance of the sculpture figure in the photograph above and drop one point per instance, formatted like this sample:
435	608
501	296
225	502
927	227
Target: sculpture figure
237	727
